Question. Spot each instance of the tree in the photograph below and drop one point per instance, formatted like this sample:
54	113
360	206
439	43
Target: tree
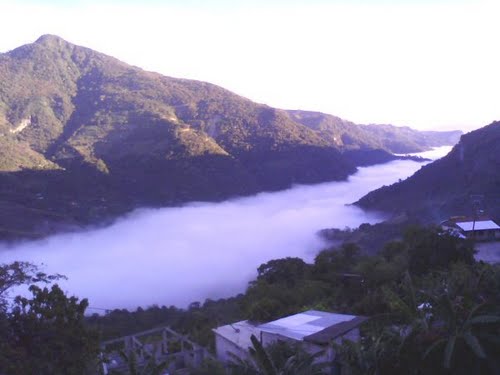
451	325
287	271
467	339
20	273
46	333
430	249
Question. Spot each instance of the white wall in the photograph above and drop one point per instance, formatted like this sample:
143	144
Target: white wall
329	353
223	346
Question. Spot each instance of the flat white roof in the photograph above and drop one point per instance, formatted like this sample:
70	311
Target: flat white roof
478	225
239	333
304	324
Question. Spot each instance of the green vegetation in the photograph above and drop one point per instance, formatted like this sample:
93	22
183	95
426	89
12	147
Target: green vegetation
277	359
389	138
46	333
444	188
151	367
432	309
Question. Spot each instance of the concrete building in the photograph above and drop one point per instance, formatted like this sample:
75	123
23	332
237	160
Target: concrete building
234	339
314	330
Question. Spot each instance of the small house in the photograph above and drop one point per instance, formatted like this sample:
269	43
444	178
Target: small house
480	229
314	330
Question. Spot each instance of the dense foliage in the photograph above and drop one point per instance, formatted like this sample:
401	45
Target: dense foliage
46	333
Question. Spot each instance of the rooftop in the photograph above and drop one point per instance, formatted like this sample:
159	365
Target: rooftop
315	326
478	225
304	324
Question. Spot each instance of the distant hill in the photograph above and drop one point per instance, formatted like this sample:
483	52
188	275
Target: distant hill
85	136
393	139
448	186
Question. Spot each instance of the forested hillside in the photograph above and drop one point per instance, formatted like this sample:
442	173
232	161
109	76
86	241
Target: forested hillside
465	180
85	137
393	139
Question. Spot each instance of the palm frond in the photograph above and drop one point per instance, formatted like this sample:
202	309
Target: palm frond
433	347
260	355
485	319
474	344
448	351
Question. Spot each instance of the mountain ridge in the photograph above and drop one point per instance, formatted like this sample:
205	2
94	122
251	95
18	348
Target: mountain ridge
86	132
450	185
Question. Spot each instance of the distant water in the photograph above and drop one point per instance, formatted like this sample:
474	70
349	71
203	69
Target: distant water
174	256
488	252
433	154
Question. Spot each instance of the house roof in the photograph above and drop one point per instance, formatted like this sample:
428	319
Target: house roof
337	330
314	326
478	225
303	325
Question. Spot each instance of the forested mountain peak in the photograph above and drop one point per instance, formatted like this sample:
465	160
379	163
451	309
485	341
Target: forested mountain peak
78	123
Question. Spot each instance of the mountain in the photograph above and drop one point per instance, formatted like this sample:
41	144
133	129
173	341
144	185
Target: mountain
393	139
85	136
449	186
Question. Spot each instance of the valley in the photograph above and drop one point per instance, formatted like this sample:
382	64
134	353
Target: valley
249	187
204	250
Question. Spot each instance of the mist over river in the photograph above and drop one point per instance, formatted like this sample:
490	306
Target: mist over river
175	256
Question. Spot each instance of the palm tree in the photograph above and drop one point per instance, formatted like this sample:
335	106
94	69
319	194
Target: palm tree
368	355
467	335
447	324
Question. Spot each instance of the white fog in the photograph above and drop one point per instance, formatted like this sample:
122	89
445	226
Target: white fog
174	256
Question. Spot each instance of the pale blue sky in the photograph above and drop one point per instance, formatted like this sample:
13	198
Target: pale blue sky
225	4
427	64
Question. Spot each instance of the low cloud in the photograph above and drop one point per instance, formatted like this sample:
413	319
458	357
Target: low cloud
174	256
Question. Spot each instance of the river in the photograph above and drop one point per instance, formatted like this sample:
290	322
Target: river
174	256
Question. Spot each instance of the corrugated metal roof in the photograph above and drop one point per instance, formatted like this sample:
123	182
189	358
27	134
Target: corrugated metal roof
328	334
312	325
304	324
478	225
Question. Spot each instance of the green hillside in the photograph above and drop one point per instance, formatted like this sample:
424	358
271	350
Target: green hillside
393	139
85	137
448	187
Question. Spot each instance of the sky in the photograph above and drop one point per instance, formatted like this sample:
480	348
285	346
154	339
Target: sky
420	63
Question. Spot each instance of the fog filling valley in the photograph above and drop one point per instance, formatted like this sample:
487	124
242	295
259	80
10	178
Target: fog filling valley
175	256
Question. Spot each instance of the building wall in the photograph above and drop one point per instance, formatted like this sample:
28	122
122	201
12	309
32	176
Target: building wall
352	335
309	347
223	346
485	235
270	338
